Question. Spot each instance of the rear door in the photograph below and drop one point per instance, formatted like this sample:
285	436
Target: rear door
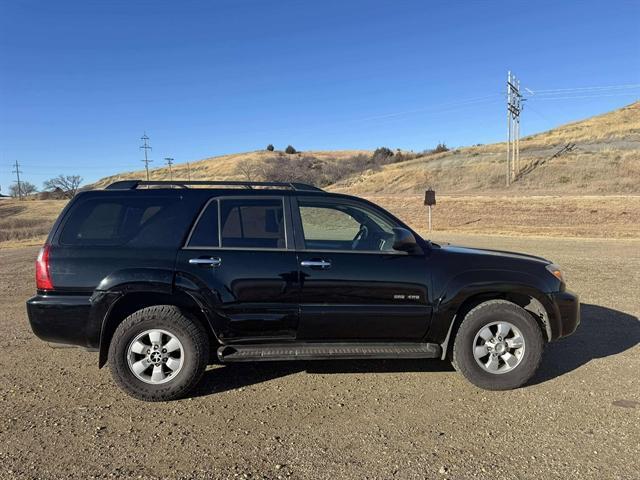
354	286
241	249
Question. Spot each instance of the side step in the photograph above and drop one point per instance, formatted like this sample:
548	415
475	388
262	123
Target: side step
326	351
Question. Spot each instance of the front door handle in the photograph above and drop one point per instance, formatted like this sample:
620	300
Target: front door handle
206	261
322	264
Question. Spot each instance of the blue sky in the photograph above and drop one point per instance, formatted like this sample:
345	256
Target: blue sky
80	81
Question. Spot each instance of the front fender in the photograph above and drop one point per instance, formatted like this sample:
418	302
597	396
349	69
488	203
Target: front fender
489	283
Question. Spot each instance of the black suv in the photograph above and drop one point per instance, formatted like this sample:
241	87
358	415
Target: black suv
162	279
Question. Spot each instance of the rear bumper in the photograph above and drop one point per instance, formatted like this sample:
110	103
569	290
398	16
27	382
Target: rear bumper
61	319
566	306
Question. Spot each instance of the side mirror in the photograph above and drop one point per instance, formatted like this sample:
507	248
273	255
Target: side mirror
404	240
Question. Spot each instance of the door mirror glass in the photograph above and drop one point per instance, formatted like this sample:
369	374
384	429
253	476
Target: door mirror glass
404	241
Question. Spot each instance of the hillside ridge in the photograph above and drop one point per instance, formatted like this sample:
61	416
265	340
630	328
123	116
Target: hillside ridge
597	155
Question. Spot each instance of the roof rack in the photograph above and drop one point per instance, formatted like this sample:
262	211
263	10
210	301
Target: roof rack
133	184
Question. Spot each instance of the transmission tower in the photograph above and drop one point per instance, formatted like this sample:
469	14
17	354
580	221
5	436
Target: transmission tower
17	171
169	161
514	108
146	147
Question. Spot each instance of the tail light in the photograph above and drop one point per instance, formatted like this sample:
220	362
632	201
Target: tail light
43	276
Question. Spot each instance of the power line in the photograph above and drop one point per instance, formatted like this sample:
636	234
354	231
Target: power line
581	89
146	147
435	109
586	96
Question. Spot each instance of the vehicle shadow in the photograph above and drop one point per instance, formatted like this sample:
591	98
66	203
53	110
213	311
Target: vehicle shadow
232	376
602	332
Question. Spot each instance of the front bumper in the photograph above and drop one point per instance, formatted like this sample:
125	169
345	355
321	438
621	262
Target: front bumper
566	313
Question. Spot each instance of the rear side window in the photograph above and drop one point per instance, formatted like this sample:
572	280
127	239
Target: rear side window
143	221
252	223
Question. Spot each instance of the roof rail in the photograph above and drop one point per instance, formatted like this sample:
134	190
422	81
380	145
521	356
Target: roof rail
133	184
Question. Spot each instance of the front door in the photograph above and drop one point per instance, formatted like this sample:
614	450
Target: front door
242	250
354	286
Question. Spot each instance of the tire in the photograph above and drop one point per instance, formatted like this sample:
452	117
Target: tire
149	331
497	370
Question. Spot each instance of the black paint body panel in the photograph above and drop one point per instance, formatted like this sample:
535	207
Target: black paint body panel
266	296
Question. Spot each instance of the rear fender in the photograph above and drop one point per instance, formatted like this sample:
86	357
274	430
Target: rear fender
115	287
126	291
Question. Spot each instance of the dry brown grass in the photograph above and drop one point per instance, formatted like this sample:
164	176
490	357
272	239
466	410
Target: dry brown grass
224	167
553	216
606	160
560	198
27	222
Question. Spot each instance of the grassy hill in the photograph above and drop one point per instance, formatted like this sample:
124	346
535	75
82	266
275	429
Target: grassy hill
599	155
229	167
590	190
603	158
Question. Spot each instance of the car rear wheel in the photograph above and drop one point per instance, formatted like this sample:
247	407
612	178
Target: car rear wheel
158	353
498	346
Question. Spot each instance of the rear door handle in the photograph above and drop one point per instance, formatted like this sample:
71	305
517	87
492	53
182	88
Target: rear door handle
206	261
322	264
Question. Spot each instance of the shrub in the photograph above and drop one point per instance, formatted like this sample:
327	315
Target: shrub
270	148
382	155
290	150
441	147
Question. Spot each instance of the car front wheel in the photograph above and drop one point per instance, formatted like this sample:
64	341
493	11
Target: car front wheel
498	346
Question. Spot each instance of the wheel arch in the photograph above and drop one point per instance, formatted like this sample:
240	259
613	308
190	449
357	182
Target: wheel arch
530	301
132	301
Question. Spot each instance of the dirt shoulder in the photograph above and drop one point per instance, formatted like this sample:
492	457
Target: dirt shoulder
579	418
542	215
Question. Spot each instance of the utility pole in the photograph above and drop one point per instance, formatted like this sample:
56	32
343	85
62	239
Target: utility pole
17	171
169	161
514	107
146	147
188	171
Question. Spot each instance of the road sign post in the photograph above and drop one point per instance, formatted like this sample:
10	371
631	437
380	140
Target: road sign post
429	201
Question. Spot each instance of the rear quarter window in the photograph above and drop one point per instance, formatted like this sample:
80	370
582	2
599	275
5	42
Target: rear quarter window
131	221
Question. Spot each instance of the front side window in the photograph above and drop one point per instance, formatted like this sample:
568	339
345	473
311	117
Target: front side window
344	227
252	223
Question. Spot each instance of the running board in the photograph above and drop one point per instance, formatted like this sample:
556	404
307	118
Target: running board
326	351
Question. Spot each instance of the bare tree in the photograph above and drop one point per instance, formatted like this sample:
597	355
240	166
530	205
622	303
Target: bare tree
69	184
26	188
247	169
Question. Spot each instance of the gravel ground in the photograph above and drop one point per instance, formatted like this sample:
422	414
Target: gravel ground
579	418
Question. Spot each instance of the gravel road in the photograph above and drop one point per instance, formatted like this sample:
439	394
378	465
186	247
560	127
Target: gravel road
579	418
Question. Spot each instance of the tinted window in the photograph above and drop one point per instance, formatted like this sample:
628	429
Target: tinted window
250	223
206	232
344	227
321	223
132	221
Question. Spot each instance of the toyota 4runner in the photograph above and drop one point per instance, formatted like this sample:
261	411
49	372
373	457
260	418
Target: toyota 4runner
163	278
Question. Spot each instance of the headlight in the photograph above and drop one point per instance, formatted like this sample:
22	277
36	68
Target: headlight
556	271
